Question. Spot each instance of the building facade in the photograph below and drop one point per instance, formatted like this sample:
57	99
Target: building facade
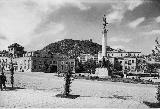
34	61
128	60
119	54
84	57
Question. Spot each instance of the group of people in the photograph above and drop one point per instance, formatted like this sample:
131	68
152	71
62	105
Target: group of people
2	81
3	78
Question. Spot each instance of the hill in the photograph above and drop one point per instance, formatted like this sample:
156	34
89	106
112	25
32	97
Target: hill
73	48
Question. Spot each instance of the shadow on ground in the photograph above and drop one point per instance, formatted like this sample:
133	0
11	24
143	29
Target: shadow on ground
69	96
152	105
12	89
119	97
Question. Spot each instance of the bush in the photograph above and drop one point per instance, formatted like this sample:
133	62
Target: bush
158	93
68	82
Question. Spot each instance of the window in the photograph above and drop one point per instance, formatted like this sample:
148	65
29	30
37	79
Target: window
132	61
129	68
121	55
129	62
35	67
54	62
125	67
39	62
72	63
72	68
62	67
34	61
24	61
28	66
125	62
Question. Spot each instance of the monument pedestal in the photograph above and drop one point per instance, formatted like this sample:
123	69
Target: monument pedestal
101	72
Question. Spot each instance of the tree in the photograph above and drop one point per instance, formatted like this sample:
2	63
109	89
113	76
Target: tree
79	67
67	85
90	66
68	82
158	93
156	52
117	65
46	66
117	68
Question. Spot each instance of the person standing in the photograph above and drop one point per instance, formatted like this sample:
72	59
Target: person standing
2	81
12	77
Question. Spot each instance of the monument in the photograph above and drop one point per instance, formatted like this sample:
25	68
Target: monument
102	72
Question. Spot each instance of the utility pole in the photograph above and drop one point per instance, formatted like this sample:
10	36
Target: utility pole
12	70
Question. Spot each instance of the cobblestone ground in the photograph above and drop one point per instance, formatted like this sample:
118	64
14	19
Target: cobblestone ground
38	90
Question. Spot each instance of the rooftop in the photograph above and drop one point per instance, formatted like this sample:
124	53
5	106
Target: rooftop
15	45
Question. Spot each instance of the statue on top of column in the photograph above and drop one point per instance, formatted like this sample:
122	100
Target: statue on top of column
104	22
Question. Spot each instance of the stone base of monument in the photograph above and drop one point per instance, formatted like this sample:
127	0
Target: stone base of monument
101	72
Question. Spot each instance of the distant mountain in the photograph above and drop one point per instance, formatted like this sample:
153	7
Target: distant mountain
73	48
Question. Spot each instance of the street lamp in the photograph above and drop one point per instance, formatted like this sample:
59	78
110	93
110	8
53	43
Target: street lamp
2	66
12	70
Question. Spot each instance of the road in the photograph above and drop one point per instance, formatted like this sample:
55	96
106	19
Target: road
39	85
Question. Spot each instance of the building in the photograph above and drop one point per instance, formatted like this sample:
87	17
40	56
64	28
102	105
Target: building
5	62
128	60
116	54
84	57
34	61
63	65
16	50
128	63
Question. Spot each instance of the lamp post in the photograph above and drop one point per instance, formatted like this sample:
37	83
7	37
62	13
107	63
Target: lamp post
2	66
12	70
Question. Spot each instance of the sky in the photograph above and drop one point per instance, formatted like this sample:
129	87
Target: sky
133	24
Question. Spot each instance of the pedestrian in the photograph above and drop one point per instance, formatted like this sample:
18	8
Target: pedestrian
1	82
12	77
4	80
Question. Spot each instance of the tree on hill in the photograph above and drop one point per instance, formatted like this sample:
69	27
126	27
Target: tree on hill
156	52
73	48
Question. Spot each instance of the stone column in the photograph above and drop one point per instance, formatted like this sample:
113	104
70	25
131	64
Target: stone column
104	43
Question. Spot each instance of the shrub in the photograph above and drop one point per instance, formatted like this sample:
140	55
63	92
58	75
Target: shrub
68	82
158	93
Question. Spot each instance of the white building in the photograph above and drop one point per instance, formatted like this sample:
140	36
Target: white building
127	59
117	54
84	57
34	61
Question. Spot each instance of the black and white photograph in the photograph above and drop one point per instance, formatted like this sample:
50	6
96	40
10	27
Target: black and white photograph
80	54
